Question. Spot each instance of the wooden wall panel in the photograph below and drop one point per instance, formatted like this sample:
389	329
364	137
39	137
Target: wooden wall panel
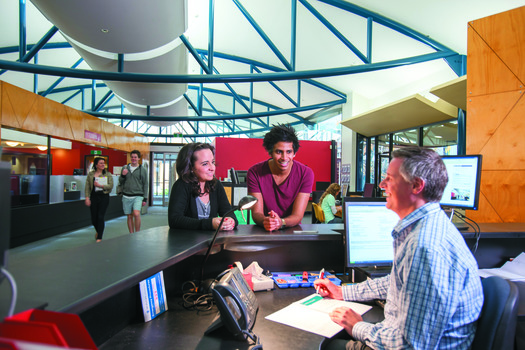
495	113
505	150
76	123
503	197
49	118
505	34
497	107
27	111
486	72
16	105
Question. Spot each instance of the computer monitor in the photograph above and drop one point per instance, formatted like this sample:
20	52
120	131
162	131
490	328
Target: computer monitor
322	185
242	175
368	232
233	176
369	190
464	176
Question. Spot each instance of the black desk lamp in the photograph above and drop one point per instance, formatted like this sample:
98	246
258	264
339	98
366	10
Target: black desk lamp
246	202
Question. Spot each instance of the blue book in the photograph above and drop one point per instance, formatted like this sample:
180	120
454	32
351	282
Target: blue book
153	295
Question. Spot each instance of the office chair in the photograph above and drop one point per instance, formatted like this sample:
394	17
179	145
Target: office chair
499	315
319	214
497	322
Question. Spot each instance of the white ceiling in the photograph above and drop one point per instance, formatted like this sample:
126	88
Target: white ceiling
143	27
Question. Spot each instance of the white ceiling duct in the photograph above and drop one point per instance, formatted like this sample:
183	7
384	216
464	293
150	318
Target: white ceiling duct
145	32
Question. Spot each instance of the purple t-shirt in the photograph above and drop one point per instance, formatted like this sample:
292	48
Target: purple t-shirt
280	198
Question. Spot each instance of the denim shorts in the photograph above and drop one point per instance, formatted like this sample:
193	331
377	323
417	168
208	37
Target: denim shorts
131	203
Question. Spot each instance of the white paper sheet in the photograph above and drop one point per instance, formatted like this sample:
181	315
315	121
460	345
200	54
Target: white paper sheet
311	314
512	270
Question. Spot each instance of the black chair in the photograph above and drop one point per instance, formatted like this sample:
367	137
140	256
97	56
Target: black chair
496	329
499	315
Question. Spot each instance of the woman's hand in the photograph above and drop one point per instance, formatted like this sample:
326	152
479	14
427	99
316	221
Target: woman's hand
88	202
98	185
228	224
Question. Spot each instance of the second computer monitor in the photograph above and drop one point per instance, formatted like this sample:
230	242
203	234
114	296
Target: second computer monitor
368	232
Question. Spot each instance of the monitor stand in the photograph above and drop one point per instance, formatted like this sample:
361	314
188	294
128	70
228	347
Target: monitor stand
360	274
461	226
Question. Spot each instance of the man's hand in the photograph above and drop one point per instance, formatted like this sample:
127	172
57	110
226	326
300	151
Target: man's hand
272	222
346	318
328	289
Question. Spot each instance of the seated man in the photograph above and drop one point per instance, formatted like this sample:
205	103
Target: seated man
433	294
281	185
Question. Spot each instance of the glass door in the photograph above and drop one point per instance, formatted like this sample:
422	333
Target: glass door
164	175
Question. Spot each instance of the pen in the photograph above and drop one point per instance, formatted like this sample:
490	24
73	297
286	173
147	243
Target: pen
321	276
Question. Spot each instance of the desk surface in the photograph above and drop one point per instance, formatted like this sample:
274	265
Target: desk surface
184	329
79	279
498	230
76	279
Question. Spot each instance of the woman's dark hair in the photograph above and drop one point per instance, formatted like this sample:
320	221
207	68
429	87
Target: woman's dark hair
280	133
95	162
185	164
332	189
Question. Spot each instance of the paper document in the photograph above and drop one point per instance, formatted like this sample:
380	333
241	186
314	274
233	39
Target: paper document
512	270
311	314
101	180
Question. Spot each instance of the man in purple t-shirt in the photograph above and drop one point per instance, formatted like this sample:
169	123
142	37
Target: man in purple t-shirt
281	185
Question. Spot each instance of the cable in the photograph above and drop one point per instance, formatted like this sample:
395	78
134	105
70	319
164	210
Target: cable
476	229
192	299
14	291
255	339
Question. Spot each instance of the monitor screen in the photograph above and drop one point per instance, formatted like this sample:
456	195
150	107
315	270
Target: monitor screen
464	175
368	232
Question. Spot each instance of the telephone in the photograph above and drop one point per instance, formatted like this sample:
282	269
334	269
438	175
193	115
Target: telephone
236	302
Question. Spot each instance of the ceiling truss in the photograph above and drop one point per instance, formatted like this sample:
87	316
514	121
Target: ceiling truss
249	115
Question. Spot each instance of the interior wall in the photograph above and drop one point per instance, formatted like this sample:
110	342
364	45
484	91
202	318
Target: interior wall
495	113
24	110
241	154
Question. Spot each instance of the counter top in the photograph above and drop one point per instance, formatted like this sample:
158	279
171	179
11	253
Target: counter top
76	279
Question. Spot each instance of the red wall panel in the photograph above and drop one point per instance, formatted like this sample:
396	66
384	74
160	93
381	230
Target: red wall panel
241	154
64	161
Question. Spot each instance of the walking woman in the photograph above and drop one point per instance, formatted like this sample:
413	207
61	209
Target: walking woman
99	184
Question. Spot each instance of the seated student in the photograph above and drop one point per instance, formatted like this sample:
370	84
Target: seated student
281	184
433	294
197	197
327	203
